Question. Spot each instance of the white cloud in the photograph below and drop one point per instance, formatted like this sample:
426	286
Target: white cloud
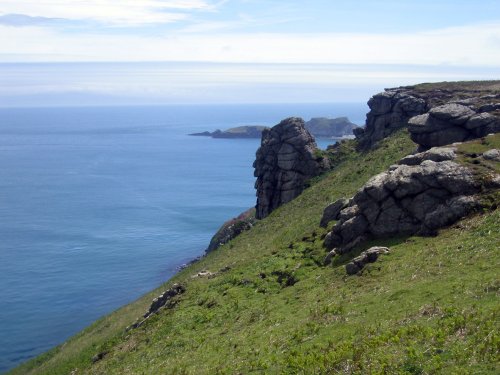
114	12
475	45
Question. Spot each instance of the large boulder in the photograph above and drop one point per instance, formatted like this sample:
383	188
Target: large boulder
287	158
389	111
421	194
451	123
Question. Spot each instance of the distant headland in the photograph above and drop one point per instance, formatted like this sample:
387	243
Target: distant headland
320	127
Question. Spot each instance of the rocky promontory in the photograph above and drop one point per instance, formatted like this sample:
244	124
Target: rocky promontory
248	131
287	158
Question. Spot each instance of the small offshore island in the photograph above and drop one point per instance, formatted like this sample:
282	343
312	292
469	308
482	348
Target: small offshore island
321	127
377	255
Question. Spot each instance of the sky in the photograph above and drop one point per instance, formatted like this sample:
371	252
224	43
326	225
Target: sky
221	51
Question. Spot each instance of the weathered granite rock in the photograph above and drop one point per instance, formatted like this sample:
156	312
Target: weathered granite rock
424	192
389	111
493	154
232	228
368	256
441	115
451	123
434	154
332	211
286	159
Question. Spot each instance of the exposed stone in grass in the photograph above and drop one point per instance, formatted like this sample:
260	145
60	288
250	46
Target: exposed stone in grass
163	300
369	256
417	196
493	154
98	357
204	274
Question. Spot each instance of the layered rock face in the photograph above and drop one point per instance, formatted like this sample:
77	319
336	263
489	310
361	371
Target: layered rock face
389	111
286	159
451	123
426	191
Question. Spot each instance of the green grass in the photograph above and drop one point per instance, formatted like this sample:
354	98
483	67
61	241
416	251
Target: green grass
428	307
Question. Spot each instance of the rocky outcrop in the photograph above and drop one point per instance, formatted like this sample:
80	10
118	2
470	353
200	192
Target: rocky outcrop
389	111
368	256
424	192
164	300
232	229
287	158
436	114
451	123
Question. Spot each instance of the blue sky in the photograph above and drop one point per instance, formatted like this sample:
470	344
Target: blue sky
263	46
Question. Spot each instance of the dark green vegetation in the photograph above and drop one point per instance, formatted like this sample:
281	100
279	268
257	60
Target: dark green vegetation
430	306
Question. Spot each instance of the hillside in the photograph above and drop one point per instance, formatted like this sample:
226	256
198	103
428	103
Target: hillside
428	306
267	303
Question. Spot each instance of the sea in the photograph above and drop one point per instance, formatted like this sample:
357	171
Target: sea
99	205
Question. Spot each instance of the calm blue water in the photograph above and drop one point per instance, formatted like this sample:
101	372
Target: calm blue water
100	205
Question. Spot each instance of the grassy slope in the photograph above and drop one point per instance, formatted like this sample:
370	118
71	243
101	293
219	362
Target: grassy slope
428	307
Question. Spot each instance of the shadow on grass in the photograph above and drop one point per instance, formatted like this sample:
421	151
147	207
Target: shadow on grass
343	259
